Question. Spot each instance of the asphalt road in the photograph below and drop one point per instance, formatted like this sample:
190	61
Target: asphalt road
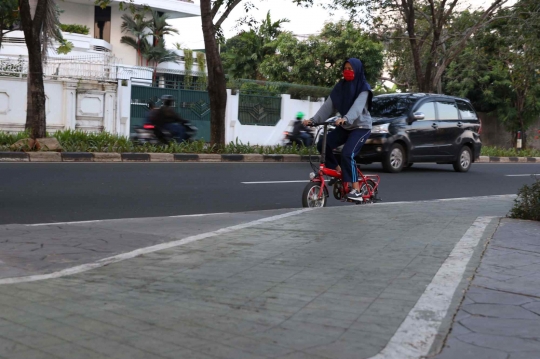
61	192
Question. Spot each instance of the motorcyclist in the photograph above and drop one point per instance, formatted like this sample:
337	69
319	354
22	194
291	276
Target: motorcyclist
301	132
167	120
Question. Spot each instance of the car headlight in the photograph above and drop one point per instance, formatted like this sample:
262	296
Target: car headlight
380	128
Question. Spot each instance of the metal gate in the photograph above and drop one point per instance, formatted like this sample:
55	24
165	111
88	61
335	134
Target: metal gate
191	105
259	110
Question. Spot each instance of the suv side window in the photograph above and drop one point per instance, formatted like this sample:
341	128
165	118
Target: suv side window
465	110
447	110
428	109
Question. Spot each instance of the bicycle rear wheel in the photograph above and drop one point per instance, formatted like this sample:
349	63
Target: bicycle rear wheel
367	187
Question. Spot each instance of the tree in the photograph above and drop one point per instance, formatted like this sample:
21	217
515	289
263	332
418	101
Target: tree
156	55
9	17
318	60
160	27
138	26
39	20
433	46
500	69
243	54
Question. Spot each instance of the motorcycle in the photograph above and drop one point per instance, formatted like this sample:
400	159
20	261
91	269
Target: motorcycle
155	135
298	137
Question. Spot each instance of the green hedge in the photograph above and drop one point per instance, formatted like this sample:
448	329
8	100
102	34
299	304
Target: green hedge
297	92
75	28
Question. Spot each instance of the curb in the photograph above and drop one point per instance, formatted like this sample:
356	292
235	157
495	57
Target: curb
191	157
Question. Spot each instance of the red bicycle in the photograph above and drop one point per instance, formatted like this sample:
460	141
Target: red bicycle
316	191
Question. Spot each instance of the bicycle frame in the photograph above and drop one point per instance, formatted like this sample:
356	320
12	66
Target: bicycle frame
324	171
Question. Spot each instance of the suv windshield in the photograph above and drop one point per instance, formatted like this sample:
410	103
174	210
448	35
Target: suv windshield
392	106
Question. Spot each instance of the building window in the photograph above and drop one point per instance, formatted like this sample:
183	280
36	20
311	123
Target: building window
102	23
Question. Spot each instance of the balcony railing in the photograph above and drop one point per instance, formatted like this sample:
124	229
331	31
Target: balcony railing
93	67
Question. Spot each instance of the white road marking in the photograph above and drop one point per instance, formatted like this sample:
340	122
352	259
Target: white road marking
266	182
524	175
141	251
122	219
418	331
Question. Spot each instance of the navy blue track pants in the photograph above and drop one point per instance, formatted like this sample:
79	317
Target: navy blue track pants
353	140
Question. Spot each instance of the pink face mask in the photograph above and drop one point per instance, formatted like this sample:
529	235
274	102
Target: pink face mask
348	75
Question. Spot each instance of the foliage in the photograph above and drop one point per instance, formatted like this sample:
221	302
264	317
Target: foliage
243	54
137	25
154	51
527	204
424	31
9	17
500	68
509	152
188	65
268	88
75	28
78	141
318	60
201	63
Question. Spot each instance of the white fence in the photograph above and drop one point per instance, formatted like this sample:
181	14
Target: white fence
265	135
91	67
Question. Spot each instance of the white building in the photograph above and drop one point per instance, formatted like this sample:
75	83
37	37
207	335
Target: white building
89	88
105	29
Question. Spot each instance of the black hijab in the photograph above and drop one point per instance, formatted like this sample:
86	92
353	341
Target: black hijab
346	92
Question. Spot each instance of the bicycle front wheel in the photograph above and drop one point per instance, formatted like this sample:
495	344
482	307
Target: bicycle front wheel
311	198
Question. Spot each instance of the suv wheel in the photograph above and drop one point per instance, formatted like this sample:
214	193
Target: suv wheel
464	160
395	159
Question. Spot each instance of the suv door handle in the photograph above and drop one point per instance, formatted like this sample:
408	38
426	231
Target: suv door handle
435	126
460	124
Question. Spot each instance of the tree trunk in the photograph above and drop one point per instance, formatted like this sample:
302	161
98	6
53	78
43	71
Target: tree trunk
217	84
35	112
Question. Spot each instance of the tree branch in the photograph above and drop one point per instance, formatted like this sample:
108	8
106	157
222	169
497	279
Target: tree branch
216	7
228	10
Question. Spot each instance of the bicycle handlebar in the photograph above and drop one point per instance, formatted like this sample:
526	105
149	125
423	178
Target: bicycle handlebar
331	121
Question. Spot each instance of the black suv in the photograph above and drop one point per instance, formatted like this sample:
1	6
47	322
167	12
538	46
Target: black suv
418	127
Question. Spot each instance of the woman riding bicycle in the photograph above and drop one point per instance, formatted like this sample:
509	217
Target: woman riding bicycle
351	97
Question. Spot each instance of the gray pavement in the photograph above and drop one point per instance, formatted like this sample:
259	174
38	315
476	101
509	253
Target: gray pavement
500	315
330	283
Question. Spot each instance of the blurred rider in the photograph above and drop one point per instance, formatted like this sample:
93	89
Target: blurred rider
167	119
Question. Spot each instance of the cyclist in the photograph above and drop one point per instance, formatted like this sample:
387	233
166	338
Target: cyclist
351	98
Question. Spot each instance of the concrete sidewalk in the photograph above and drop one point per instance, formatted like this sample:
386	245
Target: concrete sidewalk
329	283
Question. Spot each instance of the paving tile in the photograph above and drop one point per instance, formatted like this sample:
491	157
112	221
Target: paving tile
480	295
499	311
502	343
74	351
455	349
8	347
32	354
519	328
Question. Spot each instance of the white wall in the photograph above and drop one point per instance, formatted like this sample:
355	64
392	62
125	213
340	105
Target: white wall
81	14
71	104
125	53
13	104
265	135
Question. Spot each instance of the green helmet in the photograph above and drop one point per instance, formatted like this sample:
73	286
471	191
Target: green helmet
299	115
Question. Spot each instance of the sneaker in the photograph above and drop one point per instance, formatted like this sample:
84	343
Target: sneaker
354	195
